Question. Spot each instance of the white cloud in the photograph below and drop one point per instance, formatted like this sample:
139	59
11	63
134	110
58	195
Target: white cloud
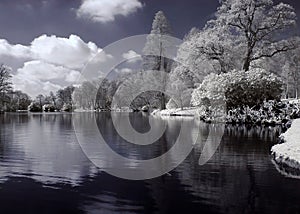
73	76
50	61
131	56
71	52
39	77
33	87
19	51
45	71
106	10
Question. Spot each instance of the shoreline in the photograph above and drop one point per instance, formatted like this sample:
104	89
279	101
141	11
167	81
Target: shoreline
288	152
247	116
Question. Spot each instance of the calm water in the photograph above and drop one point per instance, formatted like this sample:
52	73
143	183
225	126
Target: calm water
44	170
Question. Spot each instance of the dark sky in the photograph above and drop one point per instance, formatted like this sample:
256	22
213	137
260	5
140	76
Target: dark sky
23	20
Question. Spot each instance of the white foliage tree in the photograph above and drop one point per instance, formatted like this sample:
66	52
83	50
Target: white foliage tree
291	73
84	96
257	24
179	92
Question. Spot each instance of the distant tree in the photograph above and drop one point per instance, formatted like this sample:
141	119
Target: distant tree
5	79
62	97
179	89
52	98
156	44
155	51
40	100
103	96
18	101
112	88
140	82
34	107
65	94
291	72
85	96
5	85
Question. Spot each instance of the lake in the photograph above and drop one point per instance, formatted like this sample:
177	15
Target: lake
43	169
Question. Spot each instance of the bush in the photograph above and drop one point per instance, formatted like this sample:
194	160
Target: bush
34	107
67	107
48	108
252	90
239	88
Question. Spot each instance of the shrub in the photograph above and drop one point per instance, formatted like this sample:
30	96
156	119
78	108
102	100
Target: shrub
67	107
48	108
34	107
238	88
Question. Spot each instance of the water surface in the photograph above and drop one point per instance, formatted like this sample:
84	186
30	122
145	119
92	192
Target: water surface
44	170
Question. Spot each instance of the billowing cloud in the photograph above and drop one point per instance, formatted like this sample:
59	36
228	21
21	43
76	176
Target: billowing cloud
71	52
132	56
33	87
50	62
18	51
106	10
39	77
45	71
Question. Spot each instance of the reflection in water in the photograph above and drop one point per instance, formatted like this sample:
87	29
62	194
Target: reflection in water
286	170
43	170
264	133
42	147
121	157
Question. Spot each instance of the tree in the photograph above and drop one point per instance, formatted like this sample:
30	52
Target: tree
5	77
134	90
85	95
5	84
19	101
291	72
155	51
103	100
180	88
180	94
40	100
52	98
215	48
256	25
65	94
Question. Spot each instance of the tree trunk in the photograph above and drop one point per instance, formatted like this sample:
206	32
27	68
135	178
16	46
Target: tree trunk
246	66
247	62
162	69
163	101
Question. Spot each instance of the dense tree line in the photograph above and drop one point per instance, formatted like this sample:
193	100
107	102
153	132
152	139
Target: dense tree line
59	101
